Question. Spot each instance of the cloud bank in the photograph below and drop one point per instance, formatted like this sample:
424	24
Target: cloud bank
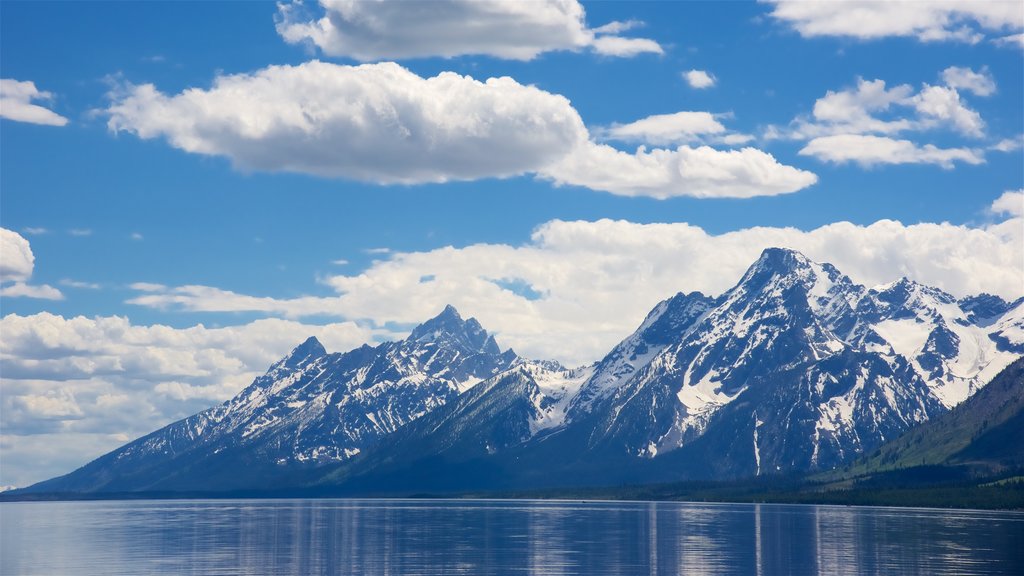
576	288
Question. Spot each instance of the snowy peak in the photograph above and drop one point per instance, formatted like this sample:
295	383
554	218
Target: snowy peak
775	260
903	296
784	279
304	353
449	327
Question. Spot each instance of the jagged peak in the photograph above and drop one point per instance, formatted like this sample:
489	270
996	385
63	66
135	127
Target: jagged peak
311	348
449	325
782	256
777	262
905	290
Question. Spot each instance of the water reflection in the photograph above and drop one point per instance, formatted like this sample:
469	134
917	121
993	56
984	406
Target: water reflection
427	537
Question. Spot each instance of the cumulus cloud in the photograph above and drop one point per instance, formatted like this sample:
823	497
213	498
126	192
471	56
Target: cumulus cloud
943	105
699	79
381	30
853	110
978	83
701	172
381	123
98	382
577	288
16	104
871	108
1011	203
860	124
868	150
16	264
375	122
18	260
925	20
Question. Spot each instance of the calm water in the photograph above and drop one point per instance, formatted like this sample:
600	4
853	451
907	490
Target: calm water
423	537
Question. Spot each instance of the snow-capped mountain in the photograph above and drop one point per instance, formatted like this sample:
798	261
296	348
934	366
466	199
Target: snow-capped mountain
799	368
796	368
309	408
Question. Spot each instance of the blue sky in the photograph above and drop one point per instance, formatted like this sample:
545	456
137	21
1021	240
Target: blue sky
196	249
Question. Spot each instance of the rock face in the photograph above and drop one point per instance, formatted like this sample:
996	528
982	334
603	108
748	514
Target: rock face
795	369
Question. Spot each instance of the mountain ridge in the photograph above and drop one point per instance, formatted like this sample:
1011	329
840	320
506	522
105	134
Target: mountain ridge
794	369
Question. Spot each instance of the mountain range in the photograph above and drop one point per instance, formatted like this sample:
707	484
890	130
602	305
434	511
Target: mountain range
796	369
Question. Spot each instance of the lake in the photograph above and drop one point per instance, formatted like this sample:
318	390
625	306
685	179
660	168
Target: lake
480	537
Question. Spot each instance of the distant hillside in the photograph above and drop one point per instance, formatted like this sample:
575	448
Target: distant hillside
984	434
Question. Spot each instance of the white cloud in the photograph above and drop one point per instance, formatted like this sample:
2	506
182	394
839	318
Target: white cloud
699	79
136	236
80	232
624	47
701	172
18	260
925	20
1008	144
380	30
868	150
941	104
16	264
870	108
375	122
57	404
16	104
381	123
209	299
34	231
22	290
663	129
1012	40
859	124
852	111
1011	202
978	83
618	27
